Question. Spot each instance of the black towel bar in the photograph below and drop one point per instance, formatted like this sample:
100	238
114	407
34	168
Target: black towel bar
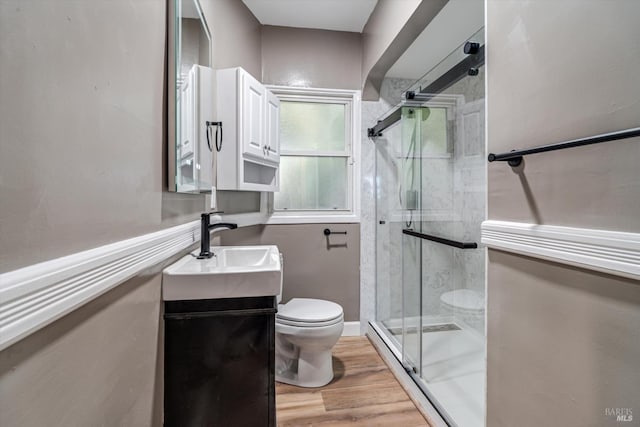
514	158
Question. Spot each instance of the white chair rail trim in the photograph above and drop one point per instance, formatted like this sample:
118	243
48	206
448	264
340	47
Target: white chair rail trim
611	252
34	296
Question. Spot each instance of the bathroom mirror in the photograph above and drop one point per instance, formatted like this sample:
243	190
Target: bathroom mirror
191	99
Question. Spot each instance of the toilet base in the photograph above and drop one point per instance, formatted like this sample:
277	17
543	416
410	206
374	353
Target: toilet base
315	369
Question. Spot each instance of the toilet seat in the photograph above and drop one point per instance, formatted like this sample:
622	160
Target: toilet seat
308	312
308	324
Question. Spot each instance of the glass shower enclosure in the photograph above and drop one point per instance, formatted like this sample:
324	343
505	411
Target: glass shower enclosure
430	266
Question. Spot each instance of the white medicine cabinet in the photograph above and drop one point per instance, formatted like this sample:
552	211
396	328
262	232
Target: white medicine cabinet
222	124
250	154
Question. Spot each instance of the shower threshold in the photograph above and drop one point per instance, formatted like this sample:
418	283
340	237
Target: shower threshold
387	349
452	374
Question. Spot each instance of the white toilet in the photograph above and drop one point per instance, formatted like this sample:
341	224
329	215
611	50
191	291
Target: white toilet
306	331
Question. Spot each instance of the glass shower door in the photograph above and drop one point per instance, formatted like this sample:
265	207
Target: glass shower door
431	201
409	197
389	291
452	262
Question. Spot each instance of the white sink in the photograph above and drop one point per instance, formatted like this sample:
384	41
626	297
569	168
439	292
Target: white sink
234	272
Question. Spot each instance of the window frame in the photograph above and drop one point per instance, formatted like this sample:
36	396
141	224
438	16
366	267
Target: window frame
352	100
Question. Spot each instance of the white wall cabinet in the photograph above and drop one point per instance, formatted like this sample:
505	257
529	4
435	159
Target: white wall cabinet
250	154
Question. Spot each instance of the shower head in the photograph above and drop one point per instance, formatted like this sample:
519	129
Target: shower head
426	112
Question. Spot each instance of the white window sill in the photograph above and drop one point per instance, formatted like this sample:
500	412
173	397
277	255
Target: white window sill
314	219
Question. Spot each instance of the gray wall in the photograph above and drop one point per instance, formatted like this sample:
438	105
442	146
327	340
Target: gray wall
326	59
314	266
311	58
563	343
82	164
386	21
99	365
391	29
81	126
236	35
530	108
236	39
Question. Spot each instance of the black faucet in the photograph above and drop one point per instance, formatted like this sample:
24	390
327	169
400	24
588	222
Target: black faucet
205	229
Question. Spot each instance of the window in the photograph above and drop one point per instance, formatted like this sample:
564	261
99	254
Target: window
319	144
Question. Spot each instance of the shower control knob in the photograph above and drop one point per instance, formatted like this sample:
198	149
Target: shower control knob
471	48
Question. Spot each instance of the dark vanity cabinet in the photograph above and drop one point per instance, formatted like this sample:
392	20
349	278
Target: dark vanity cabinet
219	362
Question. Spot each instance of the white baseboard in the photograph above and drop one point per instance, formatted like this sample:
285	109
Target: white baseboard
351	329
610	252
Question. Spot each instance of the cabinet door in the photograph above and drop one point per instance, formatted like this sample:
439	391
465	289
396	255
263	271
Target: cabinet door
252	118
272	129
219	367
204	107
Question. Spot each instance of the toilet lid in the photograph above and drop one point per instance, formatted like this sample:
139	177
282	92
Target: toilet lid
309	310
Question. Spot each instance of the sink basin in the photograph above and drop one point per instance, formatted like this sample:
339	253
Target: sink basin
251	256
234	272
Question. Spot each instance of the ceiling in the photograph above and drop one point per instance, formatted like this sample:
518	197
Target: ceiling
452	26
336	15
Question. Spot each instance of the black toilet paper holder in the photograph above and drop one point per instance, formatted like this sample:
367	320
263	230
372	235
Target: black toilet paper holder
328	232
